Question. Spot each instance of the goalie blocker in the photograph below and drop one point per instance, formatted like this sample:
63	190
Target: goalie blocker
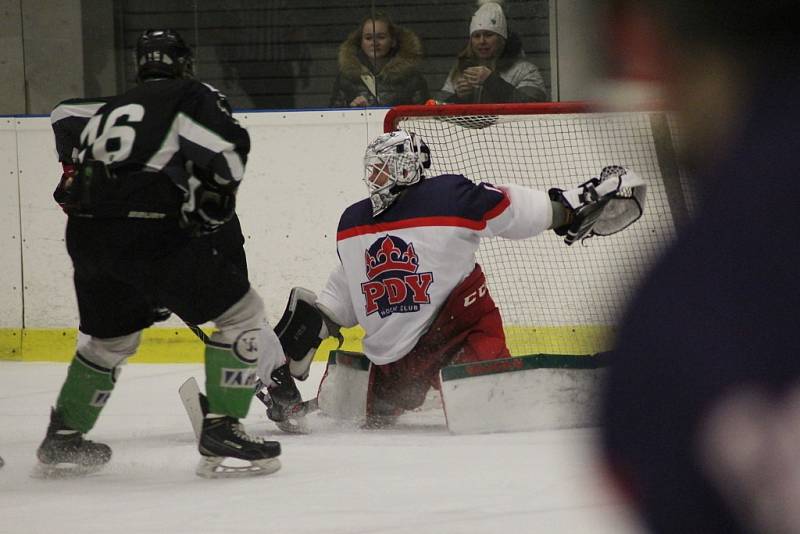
303	326
601	206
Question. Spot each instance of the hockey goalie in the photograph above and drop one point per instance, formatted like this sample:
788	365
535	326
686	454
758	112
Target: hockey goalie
408	274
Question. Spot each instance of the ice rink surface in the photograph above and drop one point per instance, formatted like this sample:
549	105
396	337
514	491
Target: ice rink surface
415	478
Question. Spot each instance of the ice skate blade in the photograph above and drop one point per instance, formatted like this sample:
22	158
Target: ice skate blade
213	467
63	470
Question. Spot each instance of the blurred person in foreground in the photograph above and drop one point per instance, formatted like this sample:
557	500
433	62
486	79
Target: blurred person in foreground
701	410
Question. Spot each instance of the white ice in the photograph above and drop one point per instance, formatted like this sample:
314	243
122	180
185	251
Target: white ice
415	478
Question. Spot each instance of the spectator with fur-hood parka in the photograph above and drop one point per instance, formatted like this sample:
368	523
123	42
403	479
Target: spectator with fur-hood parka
378	66
492	67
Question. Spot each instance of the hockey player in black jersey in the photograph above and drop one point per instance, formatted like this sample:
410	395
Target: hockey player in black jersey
68	119
157	169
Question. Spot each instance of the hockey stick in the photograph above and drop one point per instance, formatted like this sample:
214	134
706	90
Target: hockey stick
196	330
300	409
189	392
190	397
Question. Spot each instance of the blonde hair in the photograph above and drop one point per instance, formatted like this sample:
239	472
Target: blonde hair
467	58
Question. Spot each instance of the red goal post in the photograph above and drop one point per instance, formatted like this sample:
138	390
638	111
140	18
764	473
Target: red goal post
556	299
397	113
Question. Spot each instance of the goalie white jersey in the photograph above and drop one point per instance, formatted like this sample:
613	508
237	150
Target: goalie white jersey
397	269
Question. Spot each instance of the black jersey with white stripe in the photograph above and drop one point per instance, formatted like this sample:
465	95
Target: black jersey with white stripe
153	137
68	119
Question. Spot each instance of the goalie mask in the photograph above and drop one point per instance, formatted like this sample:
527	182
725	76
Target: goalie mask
163	54
392	162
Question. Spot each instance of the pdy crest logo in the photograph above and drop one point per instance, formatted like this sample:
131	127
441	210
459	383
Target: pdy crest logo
394	284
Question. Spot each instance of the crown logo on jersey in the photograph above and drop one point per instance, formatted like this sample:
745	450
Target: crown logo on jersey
389	257
393	284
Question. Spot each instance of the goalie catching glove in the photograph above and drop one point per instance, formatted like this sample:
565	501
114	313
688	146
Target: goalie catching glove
206	208
601	206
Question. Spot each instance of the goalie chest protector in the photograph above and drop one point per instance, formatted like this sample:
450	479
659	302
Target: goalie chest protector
400	267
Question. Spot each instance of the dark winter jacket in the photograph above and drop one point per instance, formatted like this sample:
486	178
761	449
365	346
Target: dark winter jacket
398	82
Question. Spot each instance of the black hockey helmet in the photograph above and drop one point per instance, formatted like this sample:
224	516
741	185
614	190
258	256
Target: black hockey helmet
163	54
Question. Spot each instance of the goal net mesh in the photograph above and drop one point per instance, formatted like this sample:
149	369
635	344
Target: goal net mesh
556	299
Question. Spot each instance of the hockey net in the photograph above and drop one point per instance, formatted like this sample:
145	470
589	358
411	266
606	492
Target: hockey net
556	299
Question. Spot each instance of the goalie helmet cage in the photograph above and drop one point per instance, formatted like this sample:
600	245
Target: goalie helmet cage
556	299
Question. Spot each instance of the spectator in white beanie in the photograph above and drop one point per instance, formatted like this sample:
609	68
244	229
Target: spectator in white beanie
492	67
489	17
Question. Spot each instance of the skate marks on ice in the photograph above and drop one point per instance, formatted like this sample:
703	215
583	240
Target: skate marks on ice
412	478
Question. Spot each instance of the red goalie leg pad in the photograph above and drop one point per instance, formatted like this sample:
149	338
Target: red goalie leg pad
468	328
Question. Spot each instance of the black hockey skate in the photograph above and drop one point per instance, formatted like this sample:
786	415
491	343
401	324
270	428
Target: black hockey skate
285	406
223	438
64	453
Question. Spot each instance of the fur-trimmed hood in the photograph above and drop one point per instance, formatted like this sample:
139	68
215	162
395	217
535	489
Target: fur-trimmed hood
406	56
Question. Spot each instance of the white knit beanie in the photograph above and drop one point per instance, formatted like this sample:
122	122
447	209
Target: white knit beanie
490	17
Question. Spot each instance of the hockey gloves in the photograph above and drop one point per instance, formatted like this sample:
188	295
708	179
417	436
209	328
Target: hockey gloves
205	209
601	206
66	193
89	188
285	406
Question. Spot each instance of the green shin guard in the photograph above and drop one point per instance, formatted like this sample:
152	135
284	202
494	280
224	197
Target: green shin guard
229	382
84	394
